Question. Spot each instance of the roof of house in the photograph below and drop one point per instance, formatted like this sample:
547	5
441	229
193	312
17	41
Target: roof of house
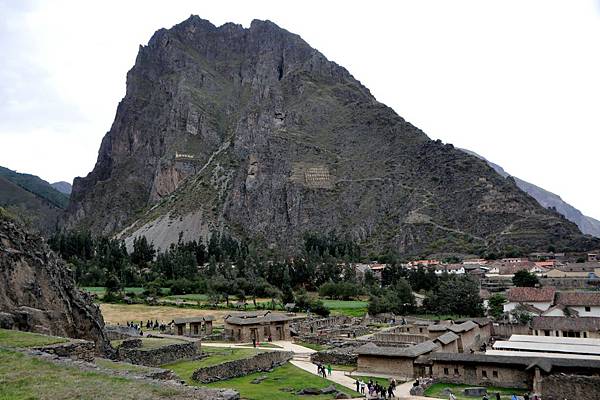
564	309
447	337
371	349
589	266
531	294
578	298
457	328
576	324
528	362
192	320
255	317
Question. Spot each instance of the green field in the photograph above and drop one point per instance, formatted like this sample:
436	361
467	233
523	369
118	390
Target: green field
120	366
11	338
189	297
351	308
217	355
436	389
281	384
24	377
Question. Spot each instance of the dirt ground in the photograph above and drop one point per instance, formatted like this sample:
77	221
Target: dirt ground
121	313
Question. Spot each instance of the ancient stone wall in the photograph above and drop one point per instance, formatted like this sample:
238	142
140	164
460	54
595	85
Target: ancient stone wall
386	337
562	386
158	356
232	369
119	332
334	357
395	366
482	375
77	349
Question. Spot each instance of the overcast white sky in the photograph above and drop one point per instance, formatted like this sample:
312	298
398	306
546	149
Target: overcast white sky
515	81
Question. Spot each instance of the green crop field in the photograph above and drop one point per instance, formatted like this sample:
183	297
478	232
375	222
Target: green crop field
351	308
11	338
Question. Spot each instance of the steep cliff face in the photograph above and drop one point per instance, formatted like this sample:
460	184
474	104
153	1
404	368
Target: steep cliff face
37	291
253	131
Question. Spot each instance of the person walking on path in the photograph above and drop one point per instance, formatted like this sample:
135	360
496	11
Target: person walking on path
324	373
362	386
357	383
329	370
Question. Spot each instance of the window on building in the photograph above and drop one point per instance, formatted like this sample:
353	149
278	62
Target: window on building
446	371
546	333
455	371
495	374
420	330
587	309
484	373
557	333
585	334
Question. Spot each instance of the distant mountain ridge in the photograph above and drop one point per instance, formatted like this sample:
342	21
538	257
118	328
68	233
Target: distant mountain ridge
31	200
63	187
588	225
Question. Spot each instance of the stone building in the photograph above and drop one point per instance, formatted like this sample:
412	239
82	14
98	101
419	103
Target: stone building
258	325
582	327
198	326
392	361
533	373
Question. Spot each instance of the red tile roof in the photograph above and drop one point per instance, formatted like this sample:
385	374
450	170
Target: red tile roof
578	298
529	294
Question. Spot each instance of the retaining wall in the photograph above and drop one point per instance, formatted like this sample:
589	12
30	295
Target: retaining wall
158	356
561	386
233	369
334	357
78	349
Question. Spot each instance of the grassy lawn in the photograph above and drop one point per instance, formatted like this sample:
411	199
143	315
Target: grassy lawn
351	308
339	367
23	377
11	338
217	355
314	346
286	377
151	343
120	366
435	390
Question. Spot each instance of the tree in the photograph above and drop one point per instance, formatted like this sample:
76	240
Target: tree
524	278
143	252
397	299
496	305
456	296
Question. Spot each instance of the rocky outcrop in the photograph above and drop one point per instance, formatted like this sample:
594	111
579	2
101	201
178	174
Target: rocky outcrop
255	132
37	291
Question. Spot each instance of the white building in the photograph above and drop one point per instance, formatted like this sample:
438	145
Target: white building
540	298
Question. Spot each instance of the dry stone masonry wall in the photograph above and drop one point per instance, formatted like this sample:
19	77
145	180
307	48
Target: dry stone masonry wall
259	363
158	356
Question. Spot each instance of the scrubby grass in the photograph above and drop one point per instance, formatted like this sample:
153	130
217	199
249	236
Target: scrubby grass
151	343
188	297
217	355
121	313
287	377
436	389
11	338
314	346
23	377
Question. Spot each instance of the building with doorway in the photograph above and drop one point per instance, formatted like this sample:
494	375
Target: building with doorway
194	326
257	325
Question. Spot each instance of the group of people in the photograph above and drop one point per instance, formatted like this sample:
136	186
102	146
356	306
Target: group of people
375	390
323	370
148	325
497	397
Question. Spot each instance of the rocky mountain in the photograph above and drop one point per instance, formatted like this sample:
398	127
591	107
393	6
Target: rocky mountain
63	187
37	291
547	199
252	131
32	200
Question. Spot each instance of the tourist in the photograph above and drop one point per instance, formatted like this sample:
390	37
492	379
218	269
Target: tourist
329	372
254	342
526	396
362	386
319	368
485	397
357	383
390	391
497	395
324	373
451	396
